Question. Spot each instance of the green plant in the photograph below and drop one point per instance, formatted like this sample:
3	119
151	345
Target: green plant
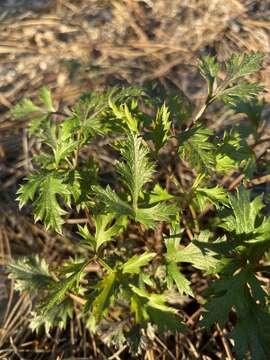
224	235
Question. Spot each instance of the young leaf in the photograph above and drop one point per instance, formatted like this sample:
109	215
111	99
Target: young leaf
30	274
240	65
123	113
104	232
253	108
57	316
216	196
134	264
28	190
61	287
136	169
197	149
241	91
175	276
46	97
152	307
233	152
209	69
159	212
161	128
112	201
24	108
107	291
245	212
48	185
199	258
46	206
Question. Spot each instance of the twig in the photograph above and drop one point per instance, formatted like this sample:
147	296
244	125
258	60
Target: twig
225	343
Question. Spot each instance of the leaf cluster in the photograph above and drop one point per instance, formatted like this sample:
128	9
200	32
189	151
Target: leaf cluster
148	136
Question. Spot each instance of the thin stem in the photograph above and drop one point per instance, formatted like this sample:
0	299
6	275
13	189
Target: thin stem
105	265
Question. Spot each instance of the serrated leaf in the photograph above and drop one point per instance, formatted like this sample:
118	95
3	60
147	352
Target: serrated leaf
199	258
245	212
216	196
24	108
46	97
240	65
252	108
152	308
30	274
159	212
56	317
106	288
28	190
197	149
240	291
175	276
159	194
233	152
243	90
88	239
209	69
136	169
104	232
134	264
45	187
113	203
123	113
255	324
161	128
60	288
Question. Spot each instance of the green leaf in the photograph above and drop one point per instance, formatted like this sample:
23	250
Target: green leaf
37	123
245	212
152	308
46	206
107	291
104	232
197	257
161	128
233	152
134	264
200	258
60	288
136	170
159	212
159	194
241	91
45	187
252	108
254	322
240	291
175	276
216	196
24	108
123	113
88	239
209	69
46	97
57	317
197	149
30	274
240	65
112	202
28	190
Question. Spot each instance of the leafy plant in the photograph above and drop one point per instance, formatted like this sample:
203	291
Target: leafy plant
130	198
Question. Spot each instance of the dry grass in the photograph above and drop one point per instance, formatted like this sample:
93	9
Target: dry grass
76	46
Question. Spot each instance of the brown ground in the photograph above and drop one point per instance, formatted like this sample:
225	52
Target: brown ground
75	46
